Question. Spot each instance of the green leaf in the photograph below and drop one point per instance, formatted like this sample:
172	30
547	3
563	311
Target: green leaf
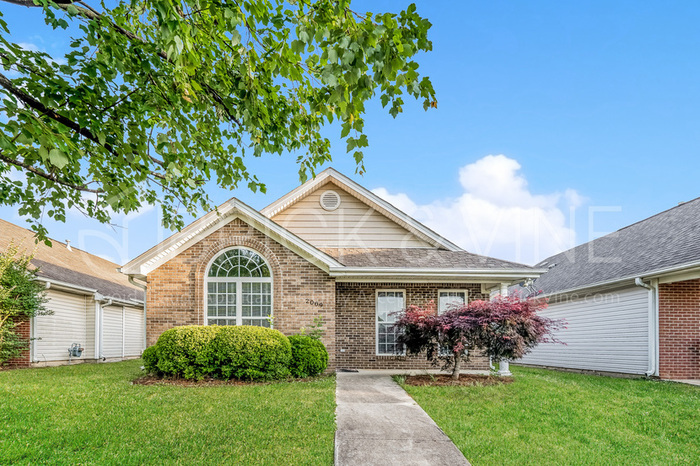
58	158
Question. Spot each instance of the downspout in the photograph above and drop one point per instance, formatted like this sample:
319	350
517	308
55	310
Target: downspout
100	302
145	304
651	323
98	330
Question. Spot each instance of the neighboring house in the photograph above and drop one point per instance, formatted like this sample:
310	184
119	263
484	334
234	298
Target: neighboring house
631	299
92	303
330	248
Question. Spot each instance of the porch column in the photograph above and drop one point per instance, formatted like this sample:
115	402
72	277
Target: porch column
503	365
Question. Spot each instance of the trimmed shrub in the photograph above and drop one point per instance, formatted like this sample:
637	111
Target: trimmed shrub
251	353
150	359
309	356
198	351
187	352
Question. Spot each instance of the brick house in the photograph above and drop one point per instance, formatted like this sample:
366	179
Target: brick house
631	299
329	248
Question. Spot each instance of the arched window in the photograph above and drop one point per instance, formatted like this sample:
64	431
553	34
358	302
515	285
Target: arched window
239	289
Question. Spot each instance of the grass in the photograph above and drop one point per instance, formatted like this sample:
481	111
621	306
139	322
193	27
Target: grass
549	417
92	414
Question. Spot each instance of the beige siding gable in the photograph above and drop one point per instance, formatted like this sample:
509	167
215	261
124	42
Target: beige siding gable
353	224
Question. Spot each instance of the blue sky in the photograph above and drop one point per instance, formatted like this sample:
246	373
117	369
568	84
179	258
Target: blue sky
594	107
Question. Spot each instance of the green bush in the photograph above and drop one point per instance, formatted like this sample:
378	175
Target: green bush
187	352
196	351
309	356
150	359
252	353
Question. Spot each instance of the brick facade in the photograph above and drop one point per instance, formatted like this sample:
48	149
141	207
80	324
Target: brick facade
301	291
356	324
679	330
23	329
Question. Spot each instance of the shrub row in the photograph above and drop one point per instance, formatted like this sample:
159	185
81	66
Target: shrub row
226	352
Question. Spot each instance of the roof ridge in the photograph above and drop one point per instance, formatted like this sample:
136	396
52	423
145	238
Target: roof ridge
626	227
678	206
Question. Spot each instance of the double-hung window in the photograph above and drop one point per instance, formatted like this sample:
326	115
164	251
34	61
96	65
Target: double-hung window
389	303
239	289
448	299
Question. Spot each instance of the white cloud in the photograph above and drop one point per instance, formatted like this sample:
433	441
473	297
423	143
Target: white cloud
497	214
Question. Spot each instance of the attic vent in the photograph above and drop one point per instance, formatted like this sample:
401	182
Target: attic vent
330	200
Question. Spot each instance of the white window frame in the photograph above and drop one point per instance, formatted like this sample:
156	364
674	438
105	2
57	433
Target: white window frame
441	350
239	288
466	297
376	320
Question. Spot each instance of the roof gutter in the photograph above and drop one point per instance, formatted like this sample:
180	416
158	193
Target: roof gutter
629	279
51	283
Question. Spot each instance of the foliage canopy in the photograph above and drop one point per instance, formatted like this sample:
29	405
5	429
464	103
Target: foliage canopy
158	98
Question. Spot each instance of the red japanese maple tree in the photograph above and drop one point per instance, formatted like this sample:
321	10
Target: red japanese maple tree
505	328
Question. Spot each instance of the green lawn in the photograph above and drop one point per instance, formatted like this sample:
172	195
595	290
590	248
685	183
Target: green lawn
91	414
549	417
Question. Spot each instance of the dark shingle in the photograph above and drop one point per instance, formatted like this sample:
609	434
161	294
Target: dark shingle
70	265
419	258
668	239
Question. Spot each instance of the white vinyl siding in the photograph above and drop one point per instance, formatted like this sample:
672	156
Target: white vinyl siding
72	321
122	331
352	225
605	332
112	329
133	331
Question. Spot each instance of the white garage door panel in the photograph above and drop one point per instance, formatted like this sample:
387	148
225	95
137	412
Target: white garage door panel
112	332
67	325
133	332
609	333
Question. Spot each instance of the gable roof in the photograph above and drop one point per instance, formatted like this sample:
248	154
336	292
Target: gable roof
664	242
207	224
72	268
364	195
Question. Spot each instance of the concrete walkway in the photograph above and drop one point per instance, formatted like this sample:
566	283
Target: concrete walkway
379	424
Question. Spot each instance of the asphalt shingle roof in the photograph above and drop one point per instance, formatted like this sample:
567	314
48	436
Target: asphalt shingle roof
72	266
668	239
424	258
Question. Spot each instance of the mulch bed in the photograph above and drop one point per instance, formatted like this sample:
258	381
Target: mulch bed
467	380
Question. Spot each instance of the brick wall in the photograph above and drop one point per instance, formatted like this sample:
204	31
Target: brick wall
176	294
356	324
24	331
679	330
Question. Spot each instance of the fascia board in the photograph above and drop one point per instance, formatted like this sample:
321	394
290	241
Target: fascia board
248	215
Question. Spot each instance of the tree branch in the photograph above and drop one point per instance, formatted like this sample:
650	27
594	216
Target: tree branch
34	104
48	176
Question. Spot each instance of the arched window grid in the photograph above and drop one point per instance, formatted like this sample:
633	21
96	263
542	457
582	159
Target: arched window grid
238	289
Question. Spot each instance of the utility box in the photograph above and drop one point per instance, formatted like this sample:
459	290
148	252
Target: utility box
75	350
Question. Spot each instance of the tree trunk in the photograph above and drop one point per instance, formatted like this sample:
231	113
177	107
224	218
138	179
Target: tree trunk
457	366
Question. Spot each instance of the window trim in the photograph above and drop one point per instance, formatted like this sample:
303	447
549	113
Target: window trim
376	320
451	290
239	287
